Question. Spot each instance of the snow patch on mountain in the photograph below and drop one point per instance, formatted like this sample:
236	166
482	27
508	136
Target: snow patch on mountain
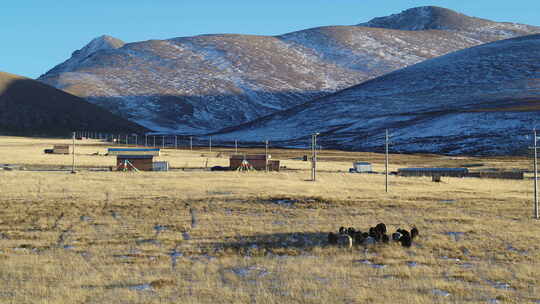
78	57
482	100
204	83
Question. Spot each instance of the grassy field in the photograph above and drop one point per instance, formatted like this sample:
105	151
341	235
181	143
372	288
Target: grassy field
230	237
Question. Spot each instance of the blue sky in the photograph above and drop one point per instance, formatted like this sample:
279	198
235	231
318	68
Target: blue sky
38	34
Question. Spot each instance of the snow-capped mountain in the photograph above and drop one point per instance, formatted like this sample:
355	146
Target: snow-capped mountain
204	83
482	100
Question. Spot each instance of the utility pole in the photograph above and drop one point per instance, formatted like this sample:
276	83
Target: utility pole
175	142
136	142
163	141
386	162
536	216
236	147
73	153
154	141
266	156
210	143
146	140
314	157
191	143
127	140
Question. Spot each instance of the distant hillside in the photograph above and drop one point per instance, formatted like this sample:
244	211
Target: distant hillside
482	100
204	83
29	107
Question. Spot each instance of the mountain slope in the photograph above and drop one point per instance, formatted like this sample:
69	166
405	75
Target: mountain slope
29	107
204	83
100	43
482	100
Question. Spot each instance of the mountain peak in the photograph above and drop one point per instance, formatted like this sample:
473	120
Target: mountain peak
426	18
103	42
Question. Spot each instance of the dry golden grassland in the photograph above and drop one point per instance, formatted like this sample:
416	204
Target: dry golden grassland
232	237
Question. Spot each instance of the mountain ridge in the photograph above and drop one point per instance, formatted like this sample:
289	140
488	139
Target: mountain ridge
200	84
479	100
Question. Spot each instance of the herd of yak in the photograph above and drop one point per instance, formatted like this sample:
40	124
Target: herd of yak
346	237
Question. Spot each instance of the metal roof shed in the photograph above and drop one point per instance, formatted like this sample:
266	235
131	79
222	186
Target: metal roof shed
452	172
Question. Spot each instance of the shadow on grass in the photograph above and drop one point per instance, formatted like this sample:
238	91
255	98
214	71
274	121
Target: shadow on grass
276	243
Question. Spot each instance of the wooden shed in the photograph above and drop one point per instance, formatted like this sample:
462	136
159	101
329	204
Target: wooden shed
133	151
257	161
61	149
129	162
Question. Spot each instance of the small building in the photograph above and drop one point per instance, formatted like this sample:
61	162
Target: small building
273	165
161	166
61	149
133	151
139	162
452	172
362	167
257	161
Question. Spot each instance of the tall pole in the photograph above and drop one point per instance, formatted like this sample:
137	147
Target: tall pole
386	162
236	147
314	156
266	156
154	141
535	178
136	142
210	143
146	140
73	153
312	159
191	143
163	141
175	142
127	140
